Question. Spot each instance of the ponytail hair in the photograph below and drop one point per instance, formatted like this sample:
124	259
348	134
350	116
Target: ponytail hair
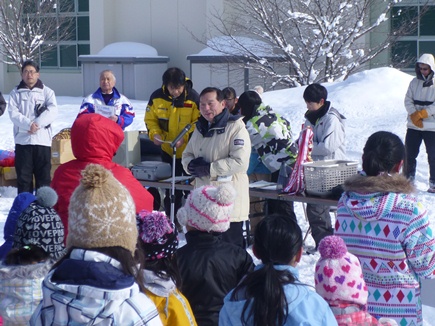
277	240
382	151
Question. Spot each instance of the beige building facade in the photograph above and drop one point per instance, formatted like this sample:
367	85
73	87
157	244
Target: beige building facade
169	26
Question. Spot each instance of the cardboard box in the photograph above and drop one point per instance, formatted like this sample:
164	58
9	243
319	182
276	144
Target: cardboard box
53	168
61	151
8	177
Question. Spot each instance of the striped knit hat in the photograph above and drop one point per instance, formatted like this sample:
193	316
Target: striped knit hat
208	208
338	275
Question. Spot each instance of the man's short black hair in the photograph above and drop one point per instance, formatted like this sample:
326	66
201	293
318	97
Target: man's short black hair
30	63
219	93
314	93
174	76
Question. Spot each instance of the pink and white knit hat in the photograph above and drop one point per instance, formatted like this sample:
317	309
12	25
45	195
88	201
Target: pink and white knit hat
338	275
208	208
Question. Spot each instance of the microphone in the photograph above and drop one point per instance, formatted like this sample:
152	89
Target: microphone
181	135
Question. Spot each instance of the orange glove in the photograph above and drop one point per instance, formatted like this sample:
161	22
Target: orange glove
418	116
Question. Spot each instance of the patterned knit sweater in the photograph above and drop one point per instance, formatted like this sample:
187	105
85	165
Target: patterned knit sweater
387	228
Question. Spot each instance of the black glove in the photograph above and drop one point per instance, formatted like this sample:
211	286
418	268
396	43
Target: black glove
39	108
199	167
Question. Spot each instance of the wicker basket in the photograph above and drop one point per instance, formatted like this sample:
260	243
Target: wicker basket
321	176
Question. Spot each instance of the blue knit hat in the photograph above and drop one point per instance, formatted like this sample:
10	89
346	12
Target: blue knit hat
21	202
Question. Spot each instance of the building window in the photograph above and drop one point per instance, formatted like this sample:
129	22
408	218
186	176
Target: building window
414	43
64	54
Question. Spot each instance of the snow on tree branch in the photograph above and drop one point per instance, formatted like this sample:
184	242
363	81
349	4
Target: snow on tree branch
298	42
27	25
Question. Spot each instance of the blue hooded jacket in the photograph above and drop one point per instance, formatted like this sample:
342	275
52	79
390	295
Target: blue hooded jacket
305	306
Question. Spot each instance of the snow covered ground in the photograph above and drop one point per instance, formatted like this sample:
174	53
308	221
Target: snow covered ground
371	101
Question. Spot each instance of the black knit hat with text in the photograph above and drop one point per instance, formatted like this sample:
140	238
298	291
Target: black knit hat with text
40	225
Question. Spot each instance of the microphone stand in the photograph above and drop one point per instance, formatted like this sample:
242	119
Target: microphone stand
174	154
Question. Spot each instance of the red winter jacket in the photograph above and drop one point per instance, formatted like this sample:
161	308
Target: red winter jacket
95	139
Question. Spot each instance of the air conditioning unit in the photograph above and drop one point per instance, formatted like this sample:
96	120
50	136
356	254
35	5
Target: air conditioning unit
128	154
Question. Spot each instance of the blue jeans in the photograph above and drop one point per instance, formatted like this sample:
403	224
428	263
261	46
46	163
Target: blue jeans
413	141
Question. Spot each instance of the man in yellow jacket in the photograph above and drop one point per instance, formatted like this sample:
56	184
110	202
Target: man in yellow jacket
169	110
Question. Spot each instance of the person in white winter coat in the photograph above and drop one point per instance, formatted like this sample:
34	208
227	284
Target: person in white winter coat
328	144
420	105
32	108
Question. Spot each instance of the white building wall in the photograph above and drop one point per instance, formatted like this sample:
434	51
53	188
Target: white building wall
166	26
62	82
219	75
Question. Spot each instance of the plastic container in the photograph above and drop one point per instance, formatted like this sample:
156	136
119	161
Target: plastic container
321	176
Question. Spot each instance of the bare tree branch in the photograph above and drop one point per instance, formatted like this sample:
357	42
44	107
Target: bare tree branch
311	40
27	25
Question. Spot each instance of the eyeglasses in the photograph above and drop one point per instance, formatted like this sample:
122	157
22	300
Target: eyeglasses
30	72
229	99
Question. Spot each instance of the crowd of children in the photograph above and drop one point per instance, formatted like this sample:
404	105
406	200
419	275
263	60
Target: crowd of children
107	260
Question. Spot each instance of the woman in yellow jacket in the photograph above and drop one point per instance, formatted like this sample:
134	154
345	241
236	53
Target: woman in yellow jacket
158	241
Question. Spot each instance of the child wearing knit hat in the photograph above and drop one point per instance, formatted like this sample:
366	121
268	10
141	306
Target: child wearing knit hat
21	202
98	280
208	209
39	225
339	280
158	238
209	267
37	242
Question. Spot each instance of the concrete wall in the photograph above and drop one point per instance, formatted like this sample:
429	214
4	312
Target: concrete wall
166	27
232	74
63	83
136	81
217	75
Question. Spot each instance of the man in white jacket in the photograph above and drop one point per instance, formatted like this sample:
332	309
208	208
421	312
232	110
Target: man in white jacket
219	151
420	105
32	108
328	144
